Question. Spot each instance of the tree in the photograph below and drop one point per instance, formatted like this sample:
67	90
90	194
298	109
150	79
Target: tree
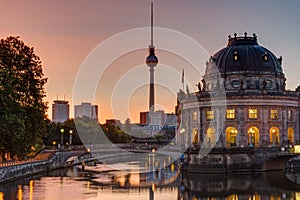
22	105
53	134
115	134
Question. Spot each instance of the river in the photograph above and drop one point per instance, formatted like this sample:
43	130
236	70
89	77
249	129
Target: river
164	184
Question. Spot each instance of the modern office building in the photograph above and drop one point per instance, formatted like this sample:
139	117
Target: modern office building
87	110
60	111
158	118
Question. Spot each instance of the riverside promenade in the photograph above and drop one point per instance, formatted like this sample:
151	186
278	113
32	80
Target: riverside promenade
45	161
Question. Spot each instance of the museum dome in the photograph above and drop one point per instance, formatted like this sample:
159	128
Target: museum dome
244	55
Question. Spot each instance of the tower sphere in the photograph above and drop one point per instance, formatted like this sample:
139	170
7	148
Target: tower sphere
151	60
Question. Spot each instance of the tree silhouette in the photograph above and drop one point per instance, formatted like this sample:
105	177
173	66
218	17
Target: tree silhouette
22	106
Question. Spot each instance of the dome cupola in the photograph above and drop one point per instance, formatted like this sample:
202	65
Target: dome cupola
243	54
245	65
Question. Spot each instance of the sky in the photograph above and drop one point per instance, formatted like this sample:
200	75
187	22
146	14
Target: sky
67	34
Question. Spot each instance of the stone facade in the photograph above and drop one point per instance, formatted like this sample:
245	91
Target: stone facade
241	102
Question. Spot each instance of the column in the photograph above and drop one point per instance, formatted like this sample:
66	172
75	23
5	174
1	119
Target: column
283	133
242	130
264	132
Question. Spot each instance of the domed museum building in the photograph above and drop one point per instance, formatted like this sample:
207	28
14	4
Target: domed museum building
241	100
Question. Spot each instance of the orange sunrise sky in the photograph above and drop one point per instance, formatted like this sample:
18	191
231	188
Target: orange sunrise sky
63	34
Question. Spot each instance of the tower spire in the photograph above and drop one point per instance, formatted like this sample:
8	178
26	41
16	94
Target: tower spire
151	61
151	24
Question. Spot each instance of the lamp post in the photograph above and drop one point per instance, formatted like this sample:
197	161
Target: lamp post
70	138
251	132
62	137
273	137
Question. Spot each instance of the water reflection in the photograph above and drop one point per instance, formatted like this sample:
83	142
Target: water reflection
167	183
269	185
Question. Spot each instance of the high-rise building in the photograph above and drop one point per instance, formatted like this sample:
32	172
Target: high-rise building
60	111
144	118
87	110
156	118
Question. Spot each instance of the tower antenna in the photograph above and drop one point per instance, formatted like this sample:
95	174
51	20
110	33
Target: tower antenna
151	24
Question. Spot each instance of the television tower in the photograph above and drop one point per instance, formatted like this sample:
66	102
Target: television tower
151	61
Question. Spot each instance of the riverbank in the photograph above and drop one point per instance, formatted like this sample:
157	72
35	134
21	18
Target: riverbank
222	160
56	161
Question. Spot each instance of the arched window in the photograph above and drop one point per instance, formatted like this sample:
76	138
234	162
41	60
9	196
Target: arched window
195	136
210	136
231	135
253	136
235	56
195	116
274	136
291	135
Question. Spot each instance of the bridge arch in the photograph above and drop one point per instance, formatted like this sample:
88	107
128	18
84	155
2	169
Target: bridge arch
277	163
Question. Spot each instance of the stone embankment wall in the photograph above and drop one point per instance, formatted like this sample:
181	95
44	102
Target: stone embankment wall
14	172
237	160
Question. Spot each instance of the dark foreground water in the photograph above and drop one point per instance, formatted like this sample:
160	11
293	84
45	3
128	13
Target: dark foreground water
74	184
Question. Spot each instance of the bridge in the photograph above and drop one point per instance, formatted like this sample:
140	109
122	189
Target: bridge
279	162
218	160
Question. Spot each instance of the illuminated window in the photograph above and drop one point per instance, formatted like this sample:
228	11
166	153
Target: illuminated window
210	114
265	56
194	115
252	113
274	114
230	114
235	56
290	115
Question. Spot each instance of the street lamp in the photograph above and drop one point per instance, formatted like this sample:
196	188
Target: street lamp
251	132
62	136
70	138
273	137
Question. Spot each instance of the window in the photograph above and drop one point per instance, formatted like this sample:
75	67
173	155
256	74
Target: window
252	113
274	114
265	56
210	114
194	116
230	114
235	56
290	115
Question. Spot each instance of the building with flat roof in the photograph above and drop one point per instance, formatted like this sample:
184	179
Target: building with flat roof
87	110
60	111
